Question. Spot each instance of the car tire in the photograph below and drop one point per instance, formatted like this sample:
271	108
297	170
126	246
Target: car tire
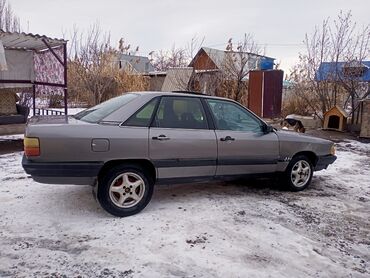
125	190
298	174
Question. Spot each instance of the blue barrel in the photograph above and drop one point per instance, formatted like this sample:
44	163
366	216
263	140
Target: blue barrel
267	64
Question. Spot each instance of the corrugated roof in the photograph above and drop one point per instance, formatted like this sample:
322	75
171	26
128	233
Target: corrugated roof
222	57
139	64
177	79
332	71
15	40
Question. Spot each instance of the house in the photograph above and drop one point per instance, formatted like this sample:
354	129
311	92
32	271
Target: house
350	73
222	60
339	71
354	78
219	70
135	64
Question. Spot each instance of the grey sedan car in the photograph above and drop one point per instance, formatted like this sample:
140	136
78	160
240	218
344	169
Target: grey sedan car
129	143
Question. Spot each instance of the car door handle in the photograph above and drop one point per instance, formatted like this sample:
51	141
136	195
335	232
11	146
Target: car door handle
227	138
161	137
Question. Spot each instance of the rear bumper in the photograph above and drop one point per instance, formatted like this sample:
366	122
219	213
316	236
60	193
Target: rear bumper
62	172
324	161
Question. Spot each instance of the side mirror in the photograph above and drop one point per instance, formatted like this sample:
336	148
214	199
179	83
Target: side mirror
267	129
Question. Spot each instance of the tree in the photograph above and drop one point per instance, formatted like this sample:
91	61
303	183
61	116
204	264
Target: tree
8	20
162	60
237	64
94	73
338	41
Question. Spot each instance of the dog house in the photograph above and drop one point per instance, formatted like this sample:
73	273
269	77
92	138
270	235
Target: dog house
29	63
335	119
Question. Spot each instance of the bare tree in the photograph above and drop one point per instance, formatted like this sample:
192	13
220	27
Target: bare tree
92	61
8	20
338	41
238	62
94	72
162	60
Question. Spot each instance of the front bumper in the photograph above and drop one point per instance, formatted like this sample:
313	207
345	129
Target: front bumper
57	172
324	161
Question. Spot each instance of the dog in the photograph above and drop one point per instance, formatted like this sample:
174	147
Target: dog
296	125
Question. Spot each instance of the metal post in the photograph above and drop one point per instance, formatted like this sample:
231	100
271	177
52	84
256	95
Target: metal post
34	99
65	79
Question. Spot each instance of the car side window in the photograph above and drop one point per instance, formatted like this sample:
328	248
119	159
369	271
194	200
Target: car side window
143	116
181	112
230	116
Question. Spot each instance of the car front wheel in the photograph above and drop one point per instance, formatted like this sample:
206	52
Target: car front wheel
298	174
124	190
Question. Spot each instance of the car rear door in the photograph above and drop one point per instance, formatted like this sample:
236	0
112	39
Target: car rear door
181	144
243	147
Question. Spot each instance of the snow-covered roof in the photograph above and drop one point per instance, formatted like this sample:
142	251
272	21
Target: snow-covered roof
28	41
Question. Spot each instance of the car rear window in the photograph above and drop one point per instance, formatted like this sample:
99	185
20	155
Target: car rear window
97	113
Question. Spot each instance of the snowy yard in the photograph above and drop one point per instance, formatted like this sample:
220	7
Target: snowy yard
249	229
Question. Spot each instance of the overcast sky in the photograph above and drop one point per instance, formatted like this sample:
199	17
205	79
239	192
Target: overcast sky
158	24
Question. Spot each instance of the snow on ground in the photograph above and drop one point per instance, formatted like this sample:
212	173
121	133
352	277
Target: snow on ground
245	229
11	137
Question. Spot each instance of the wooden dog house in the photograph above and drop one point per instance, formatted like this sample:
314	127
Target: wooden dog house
335	119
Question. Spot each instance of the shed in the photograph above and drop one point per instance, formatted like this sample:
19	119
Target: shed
365	118
265	92
178	79
29	61
335	119
35	61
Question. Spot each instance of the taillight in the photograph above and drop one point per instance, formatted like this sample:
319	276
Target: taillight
31	146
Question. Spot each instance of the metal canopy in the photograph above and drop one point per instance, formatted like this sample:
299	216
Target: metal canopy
36	42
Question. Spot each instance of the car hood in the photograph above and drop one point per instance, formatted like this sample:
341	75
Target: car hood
285	135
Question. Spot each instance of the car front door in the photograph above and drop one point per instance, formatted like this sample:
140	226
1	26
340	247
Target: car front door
243	147
181	143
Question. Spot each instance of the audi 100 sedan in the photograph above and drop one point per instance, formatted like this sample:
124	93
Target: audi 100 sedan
126	145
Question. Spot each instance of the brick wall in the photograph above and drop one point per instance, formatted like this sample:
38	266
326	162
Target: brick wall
365	123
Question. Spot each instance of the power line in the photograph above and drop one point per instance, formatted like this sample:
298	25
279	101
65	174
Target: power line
265	44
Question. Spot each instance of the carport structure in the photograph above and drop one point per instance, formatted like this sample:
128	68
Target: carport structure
32	60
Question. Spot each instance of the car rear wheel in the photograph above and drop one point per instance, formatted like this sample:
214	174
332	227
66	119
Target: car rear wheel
124	190
298	174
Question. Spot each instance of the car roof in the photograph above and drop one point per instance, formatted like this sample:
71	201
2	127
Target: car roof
186	94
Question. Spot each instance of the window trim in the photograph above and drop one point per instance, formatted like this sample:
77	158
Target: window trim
210	124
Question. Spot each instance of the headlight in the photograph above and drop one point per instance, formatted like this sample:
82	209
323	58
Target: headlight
332	150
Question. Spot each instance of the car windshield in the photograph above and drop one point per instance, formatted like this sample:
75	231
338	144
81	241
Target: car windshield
100	111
